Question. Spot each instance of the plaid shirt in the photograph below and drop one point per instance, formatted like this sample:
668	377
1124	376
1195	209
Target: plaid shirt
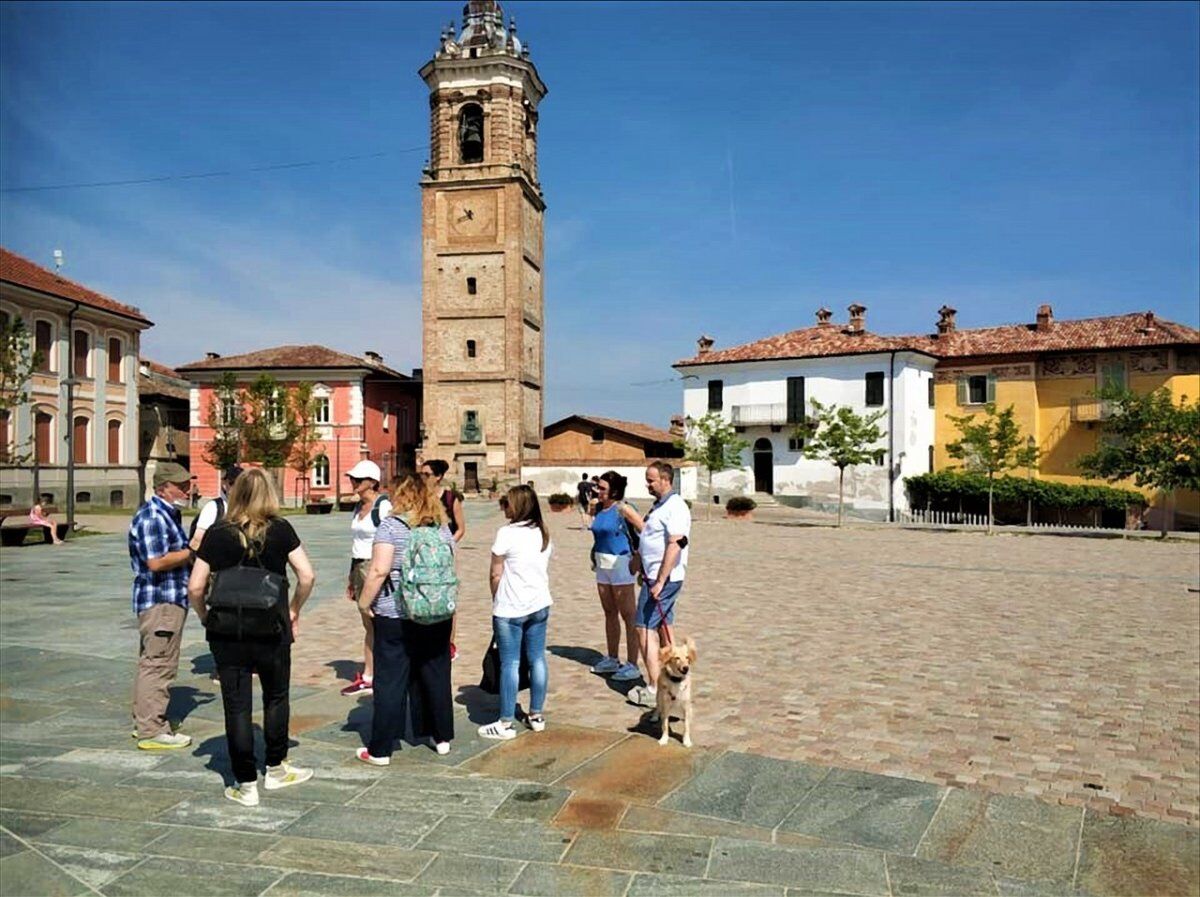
157	529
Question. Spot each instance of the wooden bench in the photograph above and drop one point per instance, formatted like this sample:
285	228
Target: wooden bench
14	534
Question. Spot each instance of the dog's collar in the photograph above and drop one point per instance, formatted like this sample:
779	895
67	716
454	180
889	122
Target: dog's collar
672	678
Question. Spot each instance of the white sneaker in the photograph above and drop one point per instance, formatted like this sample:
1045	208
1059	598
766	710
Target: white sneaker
627	673
285	775
442	747
606	666
644	696
499	731
164	741
365	756
244	793
536	721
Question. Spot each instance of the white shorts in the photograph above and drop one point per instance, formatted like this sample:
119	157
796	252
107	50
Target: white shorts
613	570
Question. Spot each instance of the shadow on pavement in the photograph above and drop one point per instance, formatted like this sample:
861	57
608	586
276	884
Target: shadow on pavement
589	657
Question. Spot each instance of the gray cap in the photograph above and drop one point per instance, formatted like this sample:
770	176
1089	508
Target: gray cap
170	472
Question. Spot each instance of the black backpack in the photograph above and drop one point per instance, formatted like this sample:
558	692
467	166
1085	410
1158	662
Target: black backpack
220	514
244	602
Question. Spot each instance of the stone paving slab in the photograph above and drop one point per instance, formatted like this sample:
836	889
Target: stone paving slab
584	808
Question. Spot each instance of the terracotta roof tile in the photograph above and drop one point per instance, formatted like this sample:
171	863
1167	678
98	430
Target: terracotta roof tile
808	342
1113	332
22	272
633	428
290	357
161	381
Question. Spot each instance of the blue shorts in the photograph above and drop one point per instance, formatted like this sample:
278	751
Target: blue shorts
648	616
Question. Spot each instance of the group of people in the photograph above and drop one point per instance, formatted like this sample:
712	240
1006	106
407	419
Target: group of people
403	544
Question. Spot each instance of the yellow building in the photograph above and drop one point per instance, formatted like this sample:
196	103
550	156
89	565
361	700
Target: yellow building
1050	371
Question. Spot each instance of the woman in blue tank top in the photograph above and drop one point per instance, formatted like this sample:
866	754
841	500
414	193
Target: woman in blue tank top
612	523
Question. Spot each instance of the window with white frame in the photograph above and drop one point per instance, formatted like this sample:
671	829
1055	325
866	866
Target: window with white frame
230	412
387	416
320	475
275	409
322	409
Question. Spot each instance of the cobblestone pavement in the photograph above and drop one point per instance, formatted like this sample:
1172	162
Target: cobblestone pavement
878	712
1065	668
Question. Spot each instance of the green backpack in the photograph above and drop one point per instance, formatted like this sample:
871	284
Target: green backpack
428	583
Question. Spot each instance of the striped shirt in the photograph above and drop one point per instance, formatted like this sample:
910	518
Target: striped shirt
393	531
156	530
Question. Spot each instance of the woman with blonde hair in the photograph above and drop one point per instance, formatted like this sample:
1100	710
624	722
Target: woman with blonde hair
407	651
520	582
252	534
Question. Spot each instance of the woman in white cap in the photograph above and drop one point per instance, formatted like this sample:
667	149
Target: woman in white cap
373	508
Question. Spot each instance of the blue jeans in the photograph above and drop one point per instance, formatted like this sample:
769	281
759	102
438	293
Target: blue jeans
511	633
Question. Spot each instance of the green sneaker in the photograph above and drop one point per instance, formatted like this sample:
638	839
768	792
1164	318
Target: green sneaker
164	741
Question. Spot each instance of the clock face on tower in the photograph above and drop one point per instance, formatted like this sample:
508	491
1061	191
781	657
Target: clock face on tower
471	216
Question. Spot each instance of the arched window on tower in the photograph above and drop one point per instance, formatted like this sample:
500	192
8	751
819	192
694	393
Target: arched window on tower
470	133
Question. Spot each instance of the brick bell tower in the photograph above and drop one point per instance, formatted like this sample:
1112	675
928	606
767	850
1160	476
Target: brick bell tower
481	228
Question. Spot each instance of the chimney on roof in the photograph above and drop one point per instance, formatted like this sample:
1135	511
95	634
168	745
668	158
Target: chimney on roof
418	373
373	357
1045	318
945	322
1147	322
823	317
858	318
212	356
704	345
677	425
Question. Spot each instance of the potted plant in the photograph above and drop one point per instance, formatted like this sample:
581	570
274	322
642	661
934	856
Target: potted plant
559	502
318	506
347	503
740	507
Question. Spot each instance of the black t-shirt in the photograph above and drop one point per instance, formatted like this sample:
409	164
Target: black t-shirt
222	548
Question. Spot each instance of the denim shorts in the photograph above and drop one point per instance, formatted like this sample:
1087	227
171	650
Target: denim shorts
648	616
616	573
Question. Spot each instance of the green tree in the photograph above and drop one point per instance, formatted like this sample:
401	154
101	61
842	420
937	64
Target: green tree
307	444
1149	438
270	426
991	446
224	418
836	434
714	444
17	364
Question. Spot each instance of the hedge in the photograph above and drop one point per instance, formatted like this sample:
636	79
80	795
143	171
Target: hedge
950	487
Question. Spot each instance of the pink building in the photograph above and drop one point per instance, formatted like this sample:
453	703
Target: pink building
364	410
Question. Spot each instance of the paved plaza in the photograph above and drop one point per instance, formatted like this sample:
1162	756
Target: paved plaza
879	712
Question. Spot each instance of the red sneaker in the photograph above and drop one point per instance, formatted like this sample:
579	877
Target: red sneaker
453	651
359	686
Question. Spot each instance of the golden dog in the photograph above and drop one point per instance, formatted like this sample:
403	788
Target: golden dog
675	687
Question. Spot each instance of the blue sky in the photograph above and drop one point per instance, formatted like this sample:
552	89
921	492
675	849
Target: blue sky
724	168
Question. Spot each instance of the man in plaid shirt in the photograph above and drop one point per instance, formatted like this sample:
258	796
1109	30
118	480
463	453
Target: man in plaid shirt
161	559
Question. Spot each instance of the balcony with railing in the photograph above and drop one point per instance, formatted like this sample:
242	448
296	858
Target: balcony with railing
1090	410
759	415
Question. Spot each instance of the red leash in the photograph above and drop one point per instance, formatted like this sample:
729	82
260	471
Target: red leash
664	628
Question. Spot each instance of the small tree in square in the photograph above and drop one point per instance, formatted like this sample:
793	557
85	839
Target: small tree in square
714	444
1149	438
270	426
224	418
840	436
17	364
307	444
992	446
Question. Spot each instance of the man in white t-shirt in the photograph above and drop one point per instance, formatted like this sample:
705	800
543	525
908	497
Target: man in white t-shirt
664	557
215	509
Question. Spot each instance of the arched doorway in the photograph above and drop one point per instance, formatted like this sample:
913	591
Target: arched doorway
764	467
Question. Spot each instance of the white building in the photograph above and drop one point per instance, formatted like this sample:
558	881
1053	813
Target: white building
764	389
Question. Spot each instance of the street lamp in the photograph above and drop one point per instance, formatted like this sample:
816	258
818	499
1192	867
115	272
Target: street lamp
1030	444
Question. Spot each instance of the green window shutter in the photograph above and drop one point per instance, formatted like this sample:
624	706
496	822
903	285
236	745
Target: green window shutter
991	388
963	396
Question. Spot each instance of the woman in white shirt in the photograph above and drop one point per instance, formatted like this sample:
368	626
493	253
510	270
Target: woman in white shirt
373	507
520	581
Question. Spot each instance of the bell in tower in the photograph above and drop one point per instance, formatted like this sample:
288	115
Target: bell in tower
470	134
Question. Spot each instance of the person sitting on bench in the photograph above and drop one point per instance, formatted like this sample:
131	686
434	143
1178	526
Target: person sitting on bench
39	517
